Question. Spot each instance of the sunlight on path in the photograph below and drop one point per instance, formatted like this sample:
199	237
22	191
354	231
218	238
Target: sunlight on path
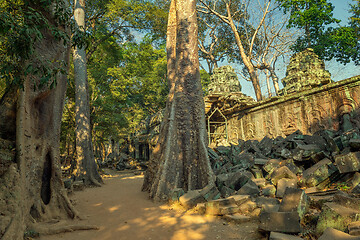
122	211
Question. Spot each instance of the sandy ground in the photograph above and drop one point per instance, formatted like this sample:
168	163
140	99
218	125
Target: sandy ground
122	211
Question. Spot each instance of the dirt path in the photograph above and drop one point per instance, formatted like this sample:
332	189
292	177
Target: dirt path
122	211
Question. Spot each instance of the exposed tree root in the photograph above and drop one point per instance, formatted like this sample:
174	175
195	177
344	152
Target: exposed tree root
70	209
61	227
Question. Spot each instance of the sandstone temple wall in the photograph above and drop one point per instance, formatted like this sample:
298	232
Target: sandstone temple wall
308	111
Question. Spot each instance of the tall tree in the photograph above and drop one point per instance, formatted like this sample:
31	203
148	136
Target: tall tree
228	12
31	184
314	17
180	157
86	168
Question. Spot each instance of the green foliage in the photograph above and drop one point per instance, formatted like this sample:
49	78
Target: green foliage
205	81
321	30
140	81
22	25
314	17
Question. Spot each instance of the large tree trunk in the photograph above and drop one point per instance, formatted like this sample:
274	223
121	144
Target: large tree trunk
180	158
31	184
86	168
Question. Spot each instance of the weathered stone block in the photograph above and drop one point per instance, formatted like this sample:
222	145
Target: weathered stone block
268	204
354	228
349	162
269	190
333	234
210	192
295	200
355	179
257	172
247	206
283	184
176	193
282	236
244	159
226	191
309	150
260	161
260	182
282	172
271	165
345	200
335	216
250	188
319	172
214	207
237	218
233	180
240	199
288	222
354	144
191	198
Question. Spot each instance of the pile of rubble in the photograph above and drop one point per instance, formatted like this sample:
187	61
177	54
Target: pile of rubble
124	162
298	187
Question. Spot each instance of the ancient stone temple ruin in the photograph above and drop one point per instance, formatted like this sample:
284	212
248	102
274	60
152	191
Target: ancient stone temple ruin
224	80
305	71
310	101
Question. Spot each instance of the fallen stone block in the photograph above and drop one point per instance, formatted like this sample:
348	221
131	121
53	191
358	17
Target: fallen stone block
280	173
354	144
271	165
354	228
226	191
349	162
256	172
335	216
238	179
240	199
283	184
260	161
282	236
318	173
268	191
268	204
355	179
215	207
175	194
317	199
260	182
266	145
345	200
191	198
295	200
250	188
232	209
247	206
333	234
244	159
210	192
287	222
289	163
236	218
309	150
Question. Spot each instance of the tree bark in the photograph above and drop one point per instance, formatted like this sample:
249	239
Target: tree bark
86	168
245	58
31	185
180	158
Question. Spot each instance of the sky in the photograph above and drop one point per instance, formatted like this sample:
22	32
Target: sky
338	71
